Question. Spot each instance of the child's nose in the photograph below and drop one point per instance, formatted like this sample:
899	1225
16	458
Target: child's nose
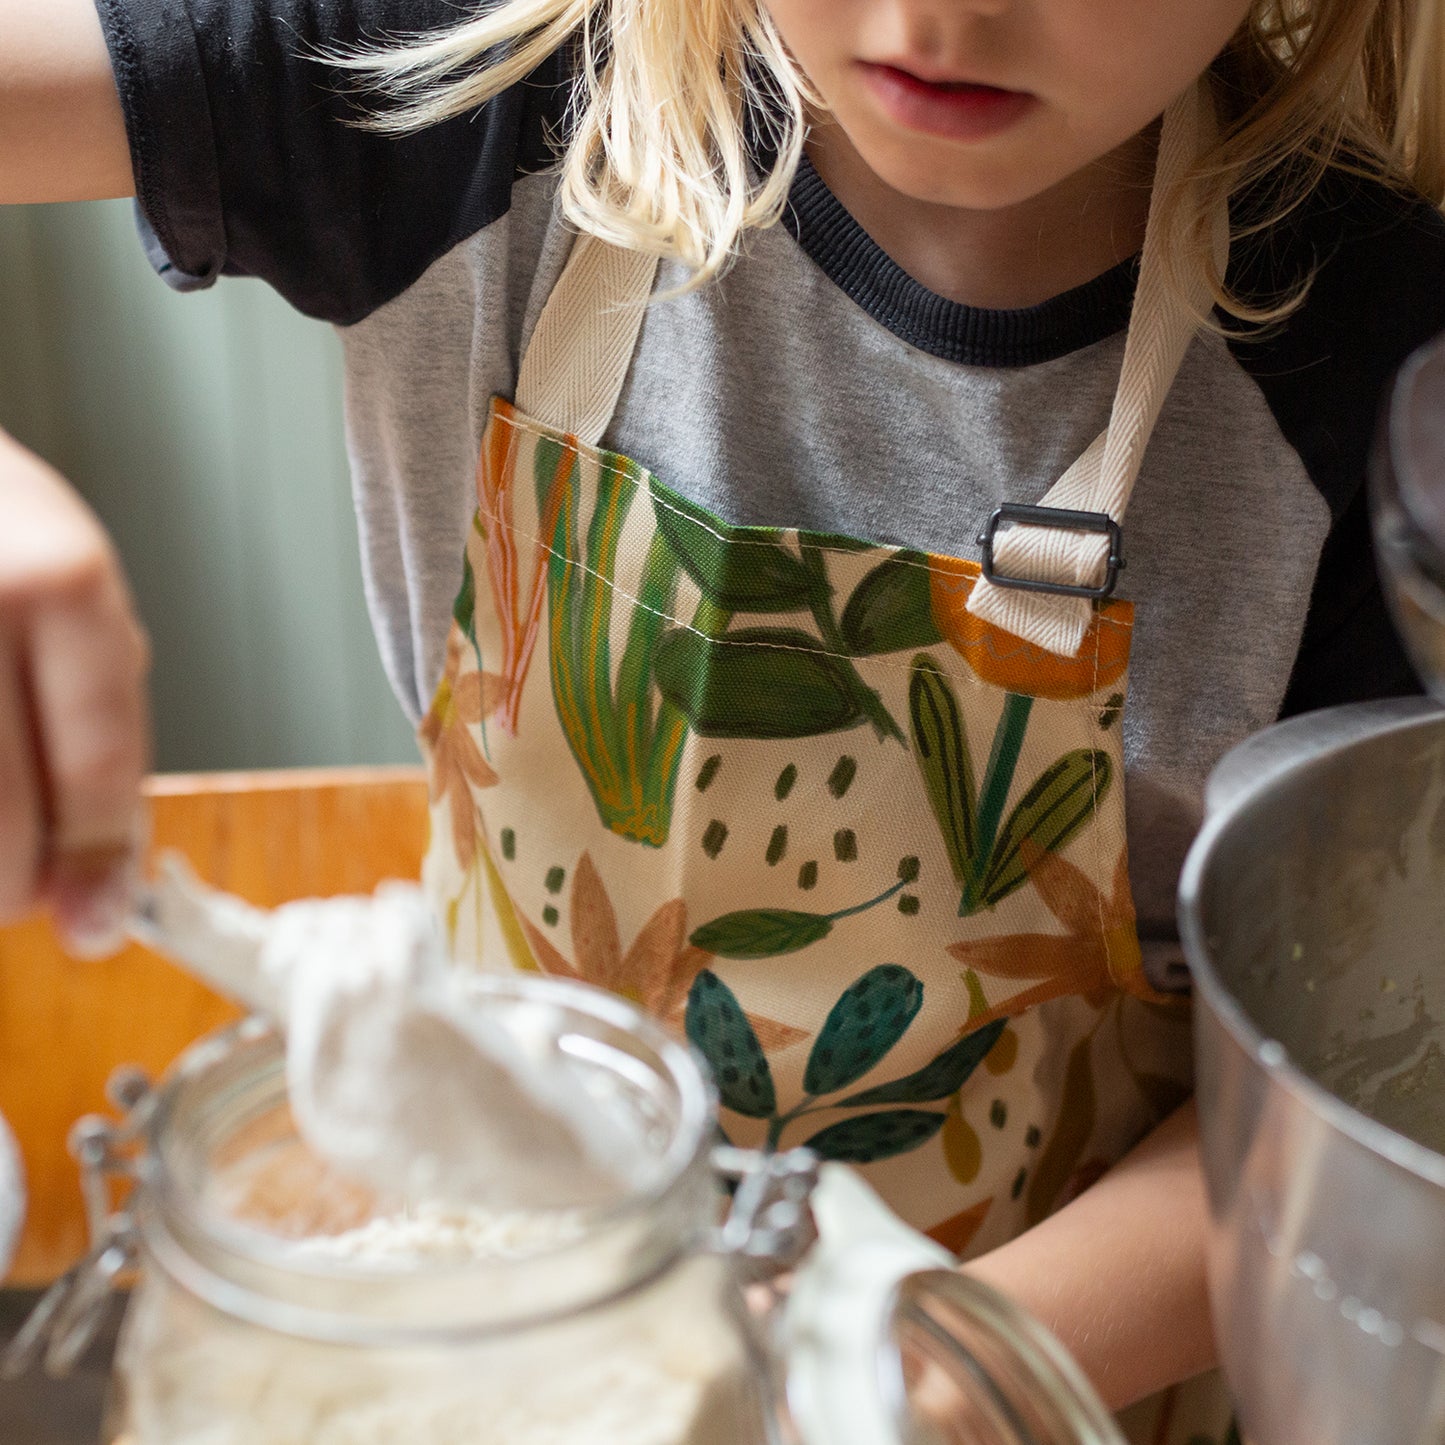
942	28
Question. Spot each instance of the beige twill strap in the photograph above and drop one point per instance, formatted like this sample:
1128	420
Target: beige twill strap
1161	328
574	367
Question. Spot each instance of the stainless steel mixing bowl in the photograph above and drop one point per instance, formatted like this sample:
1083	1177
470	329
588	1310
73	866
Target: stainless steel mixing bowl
1313	912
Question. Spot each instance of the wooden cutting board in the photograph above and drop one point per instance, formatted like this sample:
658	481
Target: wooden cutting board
65	1026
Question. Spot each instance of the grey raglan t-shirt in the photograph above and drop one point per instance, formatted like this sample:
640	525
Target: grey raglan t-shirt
817	385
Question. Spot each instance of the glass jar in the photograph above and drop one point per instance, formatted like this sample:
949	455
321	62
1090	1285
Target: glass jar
277	1304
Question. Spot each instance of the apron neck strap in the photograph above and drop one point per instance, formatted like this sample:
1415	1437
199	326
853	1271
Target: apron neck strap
1042	574
574	366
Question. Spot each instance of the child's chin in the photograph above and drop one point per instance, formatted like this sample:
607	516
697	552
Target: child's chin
980	176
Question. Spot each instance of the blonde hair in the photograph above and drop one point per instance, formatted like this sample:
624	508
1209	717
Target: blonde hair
1306	86
658	152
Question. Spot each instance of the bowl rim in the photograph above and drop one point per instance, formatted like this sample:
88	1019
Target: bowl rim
1283	752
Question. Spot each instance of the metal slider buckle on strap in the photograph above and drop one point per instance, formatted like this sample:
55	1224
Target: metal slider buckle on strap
1065	521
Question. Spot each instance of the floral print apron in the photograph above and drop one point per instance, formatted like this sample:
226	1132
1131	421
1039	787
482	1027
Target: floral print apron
791	793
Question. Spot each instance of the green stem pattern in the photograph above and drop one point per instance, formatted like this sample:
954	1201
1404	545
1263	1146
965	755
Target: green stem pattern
779	1122
1008	739
871	903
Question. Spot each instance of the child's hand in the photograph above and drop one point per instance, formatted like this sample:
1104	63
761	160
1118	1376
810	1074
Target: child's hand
74	725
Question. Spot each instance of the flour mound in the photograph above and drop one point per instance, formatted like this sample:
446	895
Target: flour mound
436	1234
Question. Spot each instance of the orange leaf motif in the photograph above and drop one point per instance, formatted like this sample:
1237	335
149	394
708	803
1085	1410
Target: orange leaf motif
656	972
595	944
956	1234
773	1035
517	604
652	961
1098	956
455	763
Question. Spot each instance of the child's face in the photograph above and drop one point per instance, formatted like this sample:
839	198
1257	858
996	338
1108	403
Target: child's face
1057	84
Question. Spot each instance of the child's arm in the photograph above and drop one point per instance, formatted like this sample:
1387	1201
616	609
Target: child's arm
62	137
1118	1274
74	732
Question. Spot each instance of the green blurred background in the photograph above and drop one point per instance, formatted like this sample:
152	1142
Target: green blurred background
206	431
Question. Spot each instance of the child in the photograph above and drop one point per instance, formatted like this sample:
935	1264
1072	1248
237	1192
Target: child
728	719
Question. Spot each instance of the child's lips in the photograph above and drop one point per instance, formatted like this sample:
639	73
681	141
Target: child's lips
956	109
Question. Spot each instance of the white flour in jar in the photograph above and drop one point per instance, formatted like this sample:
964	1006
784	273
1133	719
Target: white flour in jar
611	1401
433	1234
653	1370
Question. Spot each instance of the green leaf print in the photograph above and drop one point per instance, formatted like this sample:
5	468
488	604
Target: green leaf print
771	932
464	609
998	776
871	1137
873	1013
940	745
628	743
891	609
739	569
757	683
552	460
761	933
719	1029
1060	803
652	733
987	861
946	1075
869	700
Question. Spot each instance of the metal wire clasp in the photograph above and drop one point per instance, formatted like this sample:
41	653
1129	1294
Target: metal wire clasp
769	1221
61	1327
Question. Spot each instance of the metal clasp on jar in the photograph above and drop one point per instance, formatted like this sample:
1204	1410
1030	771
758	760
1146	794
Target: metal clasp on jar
769	1223
62	1325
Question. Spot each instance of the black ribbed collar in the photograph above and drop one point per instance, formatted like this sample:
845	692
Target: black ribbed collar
860	267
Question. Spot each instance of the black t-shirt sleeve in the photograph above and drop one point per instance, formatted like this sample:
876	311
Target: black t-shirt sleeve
248	160
1377	293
